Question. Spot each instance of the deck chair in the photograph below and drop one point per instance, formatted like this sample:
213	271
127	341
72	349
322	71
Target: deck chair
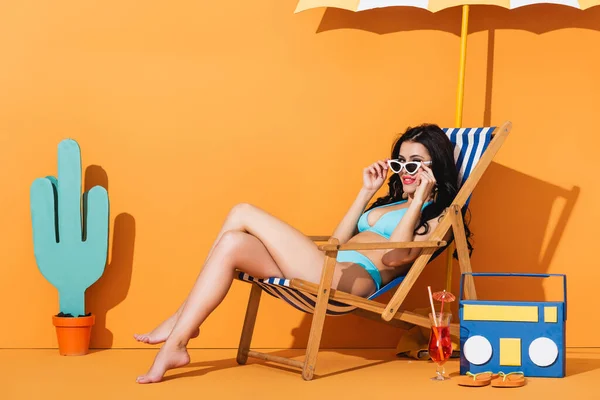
474	149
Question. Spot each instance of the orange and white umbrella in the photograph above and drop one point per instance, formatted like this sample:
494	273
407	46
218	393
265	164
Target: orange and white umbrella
434	6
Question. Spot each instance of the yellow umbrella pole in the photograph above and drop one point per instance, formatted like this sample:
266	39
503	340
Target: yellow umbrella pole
460	95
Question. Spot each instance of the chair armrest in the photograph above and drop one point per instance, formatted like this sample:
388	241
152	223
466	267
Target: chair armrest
319	238
385	245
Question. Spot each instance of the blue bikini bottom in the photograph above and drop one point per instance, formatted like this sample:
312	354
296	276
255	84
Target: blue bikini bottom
362	260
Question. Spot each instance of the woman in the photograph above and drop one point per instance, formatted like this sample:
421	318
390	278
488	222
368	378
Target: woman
422	186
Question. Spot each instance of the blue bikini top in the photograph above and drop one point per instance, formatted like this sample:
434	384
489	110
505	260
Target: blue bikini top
386	224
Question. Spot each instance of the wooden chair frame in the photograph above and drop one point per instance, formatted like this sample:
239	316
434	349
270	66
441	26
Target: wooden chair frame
390	312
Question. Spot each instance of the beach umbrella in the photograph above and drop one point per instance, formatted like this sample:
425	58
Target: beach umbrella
434	6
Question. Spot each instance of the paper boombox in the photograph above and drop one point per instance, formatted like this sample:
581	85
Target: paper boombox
512	336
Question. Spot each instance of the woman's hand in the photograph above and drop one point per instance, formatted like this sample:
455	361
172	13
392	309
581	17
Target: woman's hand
426	184
374	175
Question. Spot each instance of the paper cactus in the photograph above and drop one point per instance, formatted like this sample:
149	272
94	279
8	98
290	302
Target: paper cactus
70	237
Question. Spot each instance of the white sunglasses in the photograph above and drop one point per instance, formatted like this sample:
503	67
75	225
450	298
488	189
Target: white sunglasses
411	167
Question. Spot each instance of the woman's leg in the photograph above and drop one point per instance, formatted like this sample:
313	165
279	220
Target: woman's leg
293	252
247	218
235	249
233	222
162	331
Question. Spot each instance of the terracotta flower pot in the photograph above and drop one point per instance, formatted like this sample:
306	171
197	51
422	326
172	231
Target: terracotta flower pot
73	334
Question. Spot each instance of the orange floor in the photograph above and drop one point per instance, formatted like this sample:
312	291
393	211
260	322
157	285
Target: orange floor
349	374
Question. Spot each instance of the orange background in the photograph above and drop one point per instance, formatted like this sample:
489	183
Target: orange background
184	110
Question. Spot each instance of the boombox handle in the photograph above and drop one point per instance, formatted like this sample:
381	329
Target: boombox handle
462	278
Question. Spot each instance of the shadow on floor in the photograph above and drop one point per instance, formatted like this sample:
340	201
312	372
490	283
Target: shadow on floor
577	366
205	367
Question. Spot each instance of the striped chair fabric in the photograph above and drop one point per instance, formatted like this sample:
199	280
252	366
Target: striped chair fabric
469	145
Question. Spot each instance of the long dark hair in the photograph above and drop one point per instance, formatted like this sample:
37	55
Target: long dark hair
444	170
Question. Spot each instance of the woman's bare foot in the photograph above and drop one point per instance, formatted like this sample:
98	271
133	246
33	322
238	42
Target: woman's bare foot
169	357
161	333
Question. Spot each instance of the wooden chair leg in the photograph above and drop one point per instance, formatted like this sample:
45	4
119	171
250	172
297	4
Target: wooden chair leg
394	304
463	252
249	320
318	319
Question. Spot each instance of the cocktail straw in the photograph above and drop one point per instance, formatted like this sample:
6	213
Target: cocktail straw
443	298
432	308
